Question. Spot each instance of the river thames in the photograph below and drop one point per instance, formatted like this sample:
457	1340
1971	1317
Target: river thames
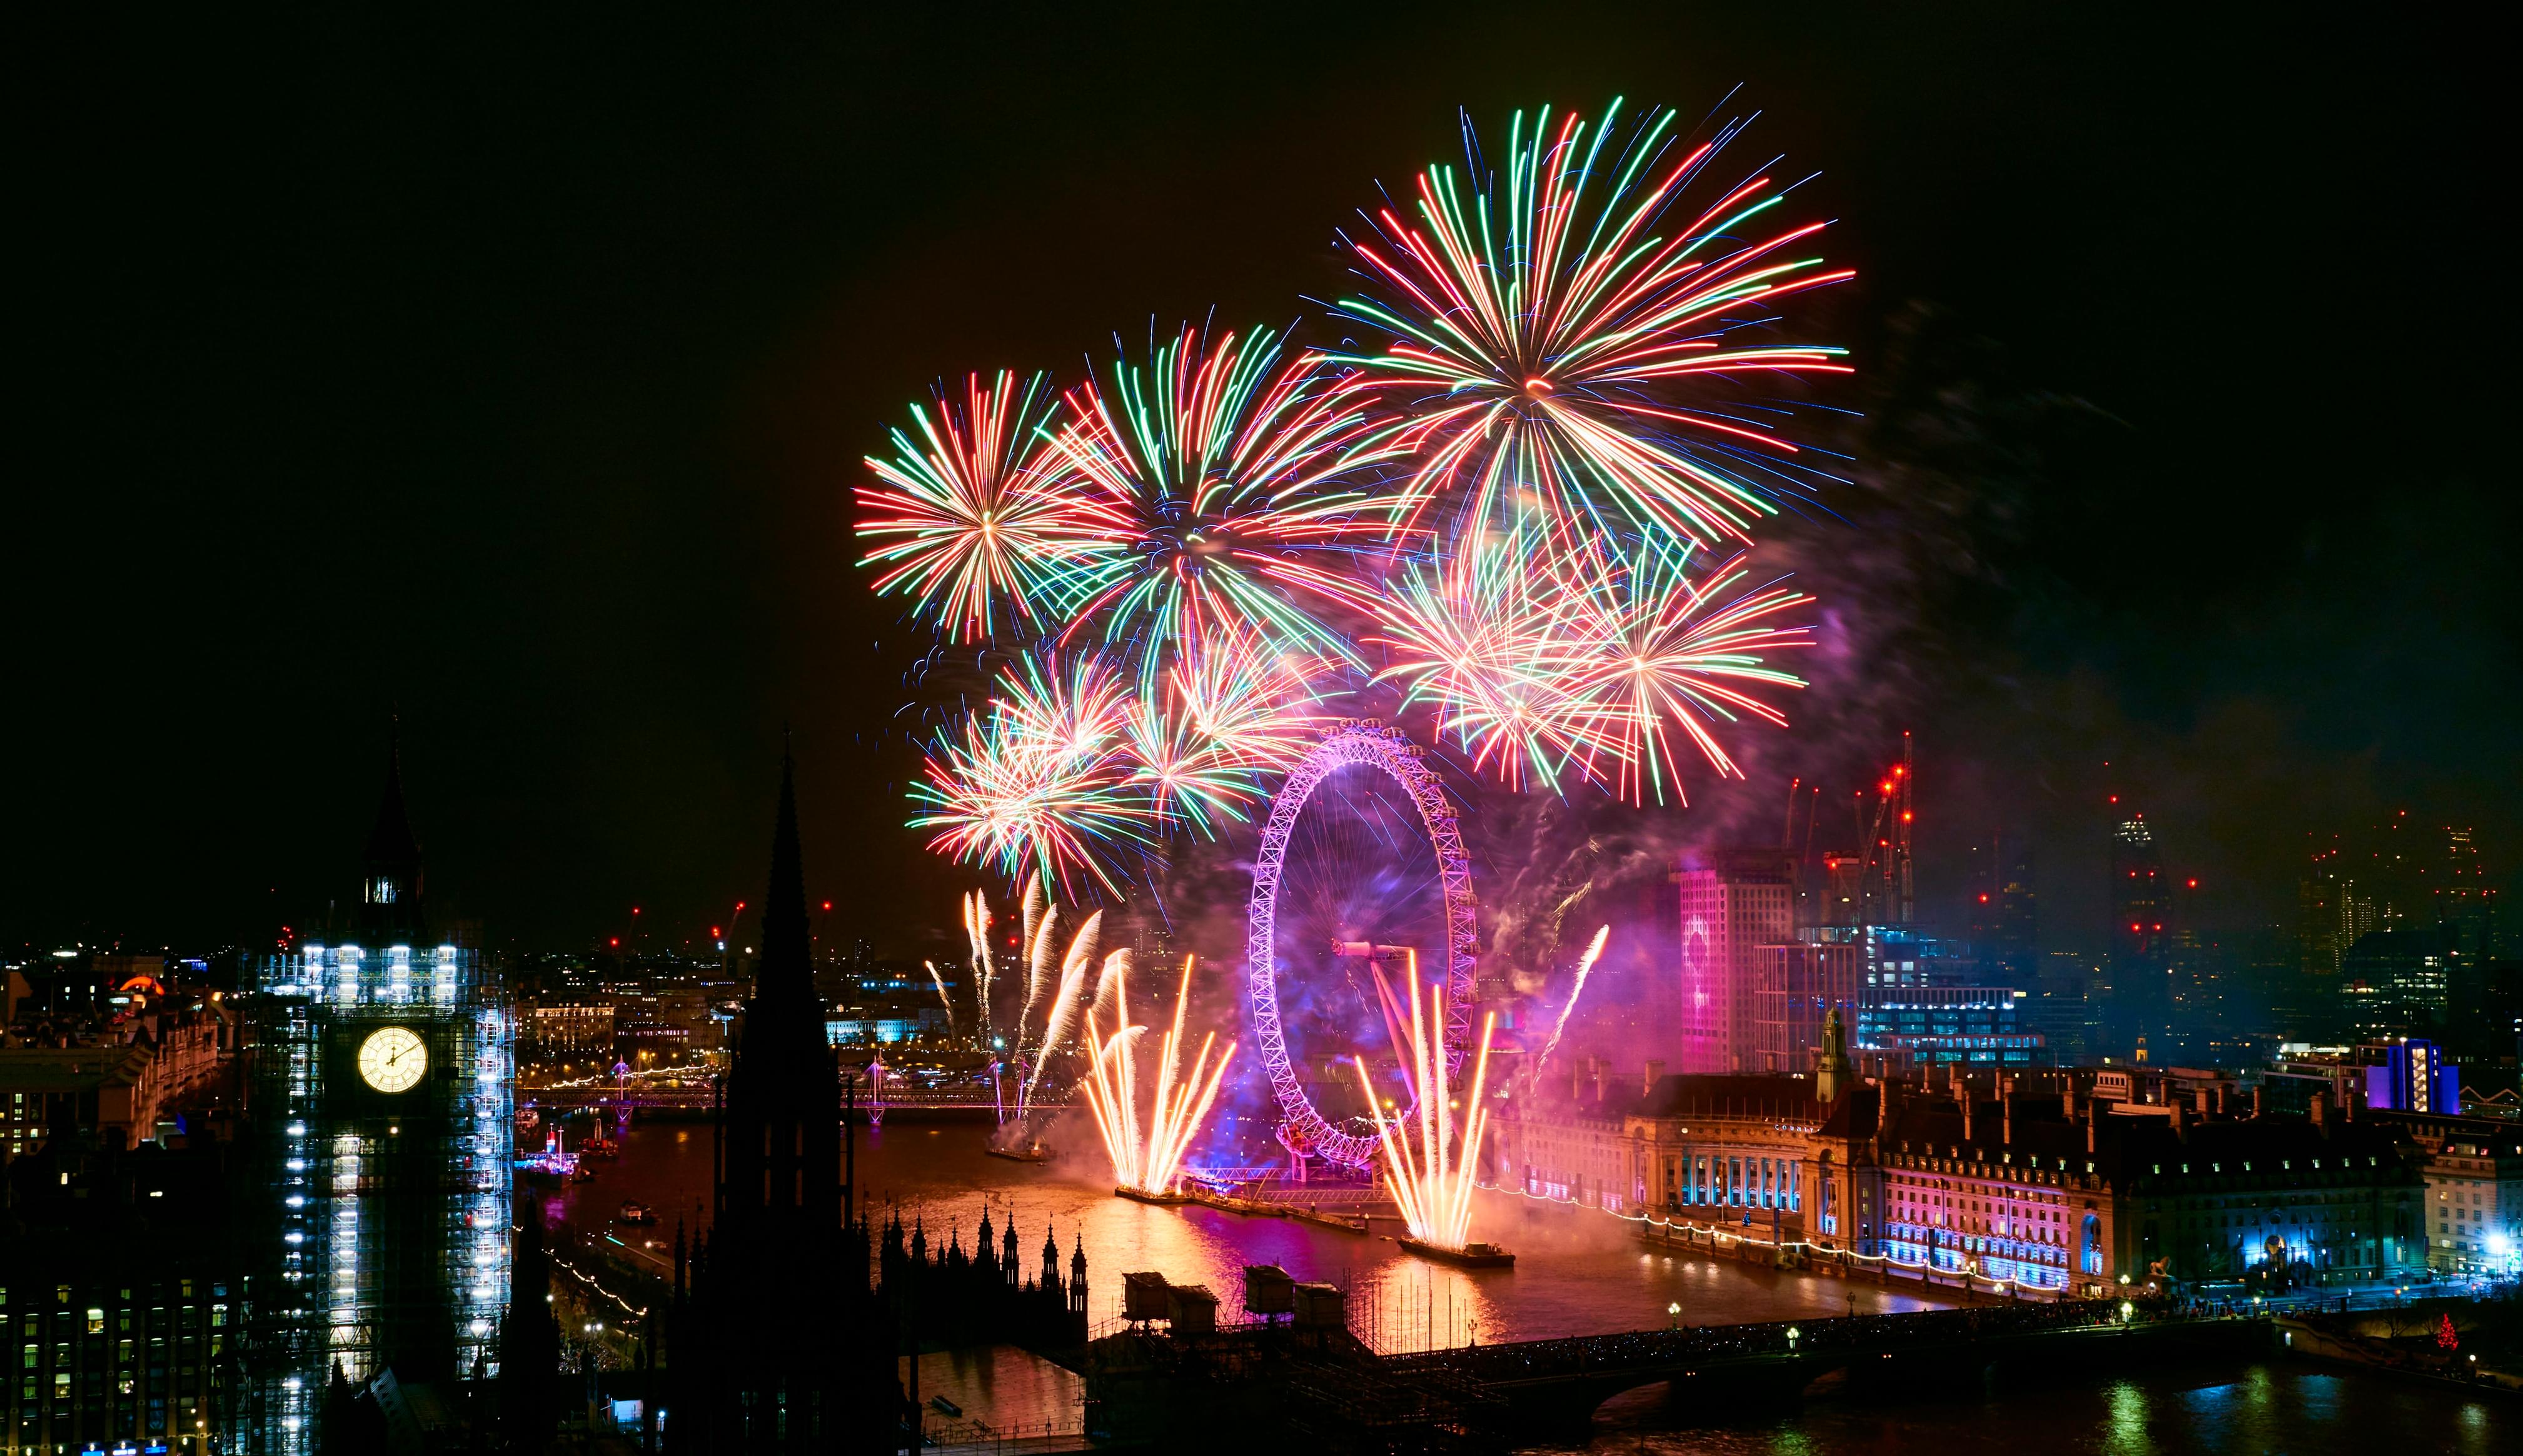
1576	1274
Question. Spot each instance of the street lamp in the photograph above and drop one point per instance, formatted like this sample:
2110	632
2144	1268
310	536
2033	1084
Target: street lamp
1673	1315
1793	1333
2129	1312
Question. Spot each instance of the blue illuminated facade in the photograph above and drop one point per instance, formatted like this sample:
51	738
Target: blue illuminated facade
2415	1076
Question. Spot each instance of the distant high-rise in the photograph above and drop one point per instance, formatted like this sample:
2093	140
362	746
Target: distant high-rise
1800	985
2398	981
2465	902
1733	903
2141	999
2319	941
2003	913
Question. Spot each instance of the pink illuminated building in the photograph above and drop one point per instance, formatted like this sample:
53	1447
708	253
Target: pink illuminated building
1733	902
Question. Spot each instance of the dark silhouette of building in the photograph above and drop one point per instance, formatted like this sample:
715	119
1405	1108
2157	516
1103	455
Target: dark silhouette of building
528	1342
951	1298
777	1343
123	1287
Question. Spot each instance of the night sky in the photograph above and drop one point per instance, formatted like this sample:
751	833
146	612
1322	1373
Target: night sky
513	377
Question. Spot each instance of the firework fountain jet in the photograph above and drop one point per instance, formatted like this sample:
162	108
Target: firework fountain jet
1585	964
943	999
1427	1167
1040	919
1149	1161
976	930
1064	1004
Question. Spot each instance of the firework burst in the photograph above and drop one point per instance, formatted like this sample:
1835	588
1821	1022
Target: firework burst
961	520
1542	326
1035	783
1482	641
1215	475
1658	655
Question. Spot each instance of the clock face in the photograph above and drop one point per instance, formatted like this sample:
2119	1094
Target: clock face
393	1059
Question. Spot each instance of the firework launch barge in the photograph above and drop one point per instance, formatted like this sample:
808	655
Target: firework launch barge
1474	1255
1193	1195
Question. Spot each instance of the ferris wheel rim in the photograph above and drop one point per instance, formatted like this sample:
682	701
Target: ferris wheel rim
1353	742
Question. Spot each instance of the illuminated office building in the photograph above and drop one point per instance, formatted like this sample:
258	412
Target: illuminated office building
382	1105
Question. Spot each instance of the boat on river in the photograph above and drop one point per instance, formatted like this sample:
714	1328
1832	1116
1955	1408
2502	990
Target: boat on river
1031	1152
1474	1255
636	1212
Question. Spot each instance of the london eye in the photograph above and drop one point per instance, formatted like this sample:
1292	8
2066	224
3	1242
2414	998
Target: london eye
1360	878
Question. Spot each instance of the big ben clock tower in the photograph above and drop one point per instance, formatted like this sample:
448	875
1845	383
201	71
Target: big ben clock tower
382	1105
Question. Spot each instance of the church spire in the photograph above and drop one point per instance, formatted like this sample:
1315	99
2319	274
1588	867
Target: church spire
785	975
390	880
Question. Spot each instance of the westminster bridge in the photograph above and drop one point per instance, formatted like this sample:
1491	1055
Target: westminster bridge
1552	1388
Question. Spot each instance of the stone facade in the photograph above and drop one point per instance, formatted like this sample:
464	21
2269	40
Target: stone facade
2048	1190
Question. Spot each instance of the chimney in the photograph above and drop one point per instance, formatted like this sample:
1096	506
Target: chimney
2256	1101
1961	1094
2006	1111
2067	1097
2090	1122
1655	1075
2180	1121
2203	1101
2322	1112
2221	1099
1595	1066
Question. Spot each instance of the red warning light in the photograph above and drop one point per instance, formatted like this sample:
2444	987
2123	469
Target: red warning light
2194	885
614	941
827	904
1983	899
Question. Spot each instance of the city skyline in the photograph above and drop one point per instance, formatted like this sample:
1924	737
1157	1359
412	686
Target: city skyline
1472	728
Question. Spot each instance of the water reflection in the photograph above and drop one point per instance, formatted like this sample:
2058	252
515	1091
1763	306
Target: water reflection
1577	1274
2240	1411
2124	1429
